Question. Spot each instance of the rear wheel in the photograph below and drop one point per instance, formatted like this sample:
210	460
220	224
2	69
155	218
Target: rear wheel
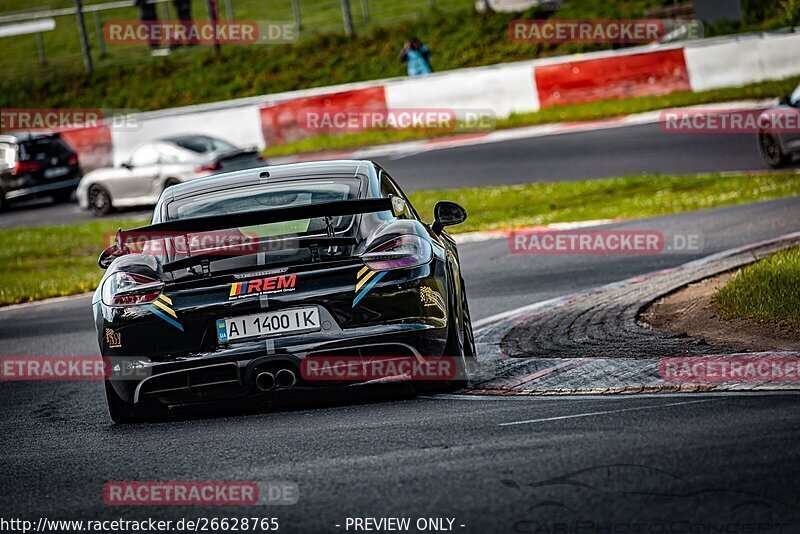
125	412
771	151
3	201
470	351
99	200
460	347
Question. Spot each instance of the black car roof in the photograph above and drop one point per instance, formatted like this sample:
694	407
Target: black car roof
19	137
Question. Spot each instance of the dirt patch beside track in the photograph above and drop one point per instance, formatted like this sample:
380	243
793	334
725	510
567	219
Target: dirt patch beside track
691	311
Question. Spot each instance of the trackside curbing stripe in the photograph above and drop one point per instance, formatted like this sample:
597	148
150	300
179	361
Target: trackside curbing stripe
606	412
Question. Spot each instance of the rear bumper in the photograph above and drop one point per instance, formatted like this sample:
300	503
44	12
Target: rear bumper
229	373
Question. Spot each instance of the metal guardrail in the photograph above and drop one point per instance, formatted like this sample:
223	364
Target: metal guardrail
367	14
78	11
67	11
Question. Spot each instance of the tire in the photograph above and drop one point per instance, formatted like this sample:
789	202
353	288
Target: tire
99	200
124	412
461	347
771	152
3	201
470	352
62	196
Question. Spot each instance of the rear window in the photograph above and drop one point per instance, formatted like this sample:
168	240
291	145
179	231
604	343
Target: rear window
271	196
202	145
44	149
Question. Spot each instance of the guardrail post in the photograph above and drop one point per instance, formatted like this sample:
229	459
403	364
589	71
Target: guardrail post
101	44
347	18
87	57
213	15
40	46
432	4
229	9
365	9
298	22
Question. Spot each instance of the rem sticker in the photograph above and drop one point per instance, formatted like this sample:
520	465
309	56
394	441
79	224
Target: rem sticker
366	280
162	308
113	339
263	286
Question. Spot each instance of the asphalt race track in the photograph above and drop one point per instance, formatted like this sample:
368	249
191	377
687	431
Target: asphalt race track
702	461
572	156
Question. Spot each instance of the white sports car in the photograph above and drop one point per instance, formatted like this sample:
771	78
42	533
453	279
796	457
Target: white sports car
154	166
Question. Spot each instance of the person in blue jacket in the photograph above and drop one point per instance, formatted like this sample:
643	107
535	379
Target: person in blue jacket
417	58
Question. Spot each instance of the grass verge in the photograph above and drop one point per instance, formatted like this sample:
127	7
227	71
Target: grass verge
766	291
511	206
577	112
53	261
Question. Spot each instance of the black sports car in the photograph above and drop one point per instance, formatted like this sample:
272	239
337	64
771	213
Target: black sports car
242	277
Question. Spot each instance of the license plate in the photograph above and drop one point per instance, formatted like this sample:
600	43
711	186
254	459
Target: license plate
277	323
56	172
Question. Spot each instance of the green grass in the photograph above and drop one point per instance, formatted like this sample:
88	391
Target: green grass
766	291
512	206
576	112
53	261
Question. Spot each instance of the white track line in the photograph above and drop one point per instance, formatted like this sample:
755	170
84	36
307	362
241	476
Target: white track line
738	394
590	414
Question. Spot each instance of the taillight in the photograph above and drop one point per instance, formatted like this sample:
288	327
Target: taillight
130	289
73	159
25	167
399	253
211	167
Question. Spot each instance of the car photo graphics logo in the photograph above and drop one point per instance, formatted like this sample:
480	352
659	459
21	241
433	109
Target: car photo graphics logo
366	279
263	286
113	339
430	298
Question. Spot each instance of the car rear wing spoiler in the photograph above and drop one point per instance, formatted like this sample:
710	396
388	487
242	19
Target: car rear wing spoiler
253	218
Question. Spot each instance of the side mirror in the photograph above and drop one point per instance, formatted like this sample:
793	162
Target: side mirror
117	249
447	213
127	165
785	101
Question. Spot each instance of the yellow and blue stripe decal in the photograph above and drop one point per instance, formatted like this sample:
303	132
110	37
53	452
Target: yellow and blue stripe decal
161	308
366	280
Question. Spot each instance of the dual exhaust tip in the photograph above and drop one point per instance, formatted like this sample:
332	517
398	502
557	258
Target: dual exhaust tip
283	379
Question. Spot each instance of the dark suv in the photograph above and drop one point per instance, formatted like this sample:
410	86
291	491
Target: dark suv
37	164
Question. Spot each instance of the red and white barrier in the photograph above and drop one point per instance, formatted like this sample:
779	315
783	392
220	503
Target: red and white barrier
504	89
